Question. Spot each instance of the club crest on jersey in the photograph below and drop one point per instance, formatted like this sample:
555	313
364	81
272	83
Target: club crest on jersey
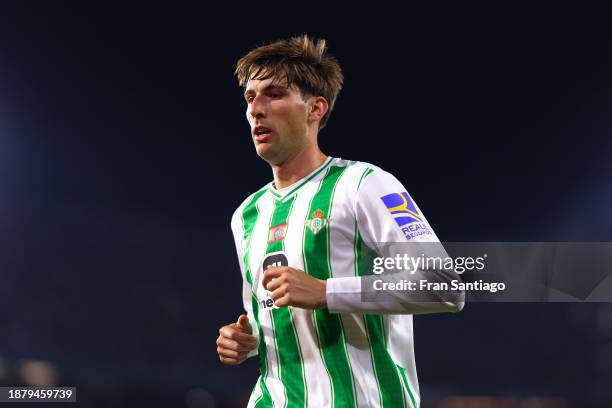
317	221
406	215
277	233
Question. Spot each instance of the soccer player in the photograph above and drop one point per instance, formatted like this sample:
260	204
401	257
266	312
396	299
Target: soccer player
302	240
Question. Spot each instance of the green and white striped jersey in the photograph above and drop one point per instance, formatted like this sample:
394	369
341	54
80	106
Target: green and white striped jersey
353	353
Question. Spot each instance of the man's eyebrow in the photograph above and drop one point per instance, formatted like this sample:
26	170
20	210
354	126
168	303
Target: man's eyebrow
266	88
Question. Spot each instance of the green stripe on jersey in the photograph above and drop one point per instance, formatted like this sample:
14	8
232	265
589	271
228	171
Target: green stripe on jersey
290	361
316	254
265	399
249	216
387	375
365	174
405	380
384	367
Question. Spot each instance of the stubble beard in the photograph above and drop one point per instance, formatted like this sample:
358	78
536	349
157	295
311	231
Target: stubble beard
277	154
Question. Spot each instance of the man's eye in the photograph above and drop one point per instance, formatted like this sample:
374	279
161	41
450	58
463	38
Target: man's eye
249	99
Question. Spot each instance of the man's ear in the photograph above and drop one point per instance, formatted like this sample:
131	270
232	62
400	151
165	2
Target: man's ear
318	107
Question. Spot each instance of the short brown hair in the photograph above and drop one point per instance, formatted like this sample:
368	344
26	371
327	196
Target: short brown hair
301	62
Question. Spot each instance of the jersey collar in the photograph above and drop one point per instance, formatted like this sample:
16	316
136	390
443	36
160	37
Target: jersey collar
297	185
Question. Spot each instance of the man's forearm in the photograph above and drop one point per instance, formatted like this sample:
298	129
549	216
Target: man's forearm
372	293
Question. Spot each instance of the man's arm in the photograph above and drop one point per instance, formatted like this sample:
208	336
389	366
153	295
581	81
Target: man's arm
238	341
390	223
378	229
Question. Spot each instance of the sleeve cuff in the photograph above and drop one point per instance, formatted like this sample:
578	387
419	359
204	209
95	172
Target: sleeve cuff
342	294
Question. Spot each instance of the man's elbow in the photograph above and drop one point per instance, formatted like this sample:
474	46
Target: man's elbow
456	306
455	296
456	301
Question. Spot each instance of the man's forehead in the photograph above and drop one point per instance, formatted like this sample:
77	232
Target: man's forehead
257	84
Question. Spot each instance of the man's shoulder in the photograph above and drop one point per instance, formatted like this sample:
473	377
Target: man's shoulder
357	171
251	198
365	180
354	166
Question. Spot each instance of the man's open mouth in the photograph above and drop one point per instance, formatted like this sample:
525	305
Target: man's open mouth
261	133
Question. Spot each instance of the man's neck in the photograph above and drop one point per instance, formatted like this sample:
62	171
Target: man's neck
297	167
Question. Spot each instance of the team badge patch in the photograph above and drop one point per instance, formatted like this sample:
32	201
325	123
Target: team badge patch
277	233
317	221
406	215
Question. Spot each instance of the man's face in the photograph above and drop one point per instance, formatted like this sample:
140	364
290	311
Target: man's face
278	117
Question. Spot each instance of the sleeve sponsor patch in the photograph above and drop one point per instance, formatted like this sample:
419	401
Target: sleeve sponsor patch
406	215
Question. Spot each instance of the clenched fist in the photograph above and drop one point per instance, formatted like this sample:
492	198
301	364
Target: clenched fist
235	341
293	287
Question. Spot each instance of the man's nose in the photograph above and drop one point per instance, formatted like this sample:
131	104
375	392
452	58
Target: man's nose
256	109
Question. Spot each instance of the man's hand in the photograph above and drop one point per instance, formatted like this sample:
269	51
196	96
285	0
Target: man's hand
290	286
235	341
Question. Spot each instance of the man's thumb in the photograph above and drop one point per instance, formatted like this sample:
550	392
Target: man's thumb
243	323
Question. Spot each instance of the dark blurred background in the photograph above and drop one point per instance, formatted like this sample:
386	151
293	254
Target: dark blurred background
124	150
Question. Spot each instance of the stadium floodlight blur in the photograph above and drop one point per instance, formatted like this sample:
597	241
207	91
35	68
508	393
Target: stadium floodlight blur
38	373
504	402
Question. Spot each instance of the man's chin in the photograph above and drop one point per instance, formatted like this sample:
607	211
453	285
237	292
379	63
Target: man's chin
267	152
